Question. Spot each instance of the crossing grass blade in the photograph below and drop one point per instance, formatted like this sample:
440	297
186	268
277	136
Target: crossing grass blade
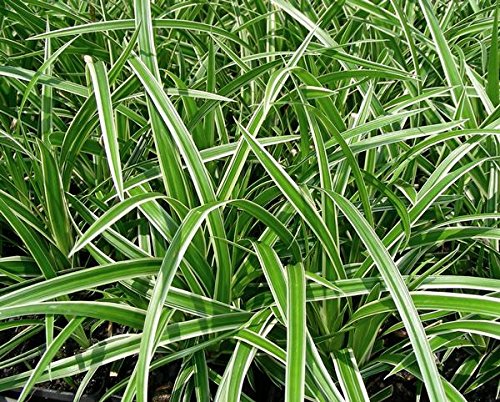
55	201
296	335
299	202
400	295
111	216
102	94
197	170
47	94
448	63
434	300
34	243
273	88
129	24
319	378
172	174
125	315
49	354
349	375
230	387
171	261
494	62
46	66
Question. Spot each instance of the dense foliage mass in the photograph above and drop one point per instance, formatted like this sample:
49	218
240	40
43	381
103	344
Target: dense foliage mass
250	200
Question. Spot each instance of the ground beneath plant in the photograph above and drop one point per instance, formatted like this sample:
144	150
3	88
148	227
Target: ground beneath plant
404	385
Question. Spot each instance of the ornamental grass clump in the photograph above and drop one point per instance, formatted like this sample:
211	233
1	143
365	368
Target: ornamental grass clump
262	200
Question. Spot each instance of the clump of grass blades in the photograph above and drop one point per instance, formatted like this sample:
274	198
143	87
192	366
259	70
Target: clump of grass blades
300	191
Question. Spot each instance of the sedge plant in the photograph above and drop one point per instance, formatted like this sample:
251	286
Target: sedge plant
300	193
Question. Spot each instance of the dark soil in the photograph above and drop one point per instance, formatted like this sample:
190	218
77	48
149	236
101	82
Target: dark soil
404	389
70	348
486	393
404	385
160	382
